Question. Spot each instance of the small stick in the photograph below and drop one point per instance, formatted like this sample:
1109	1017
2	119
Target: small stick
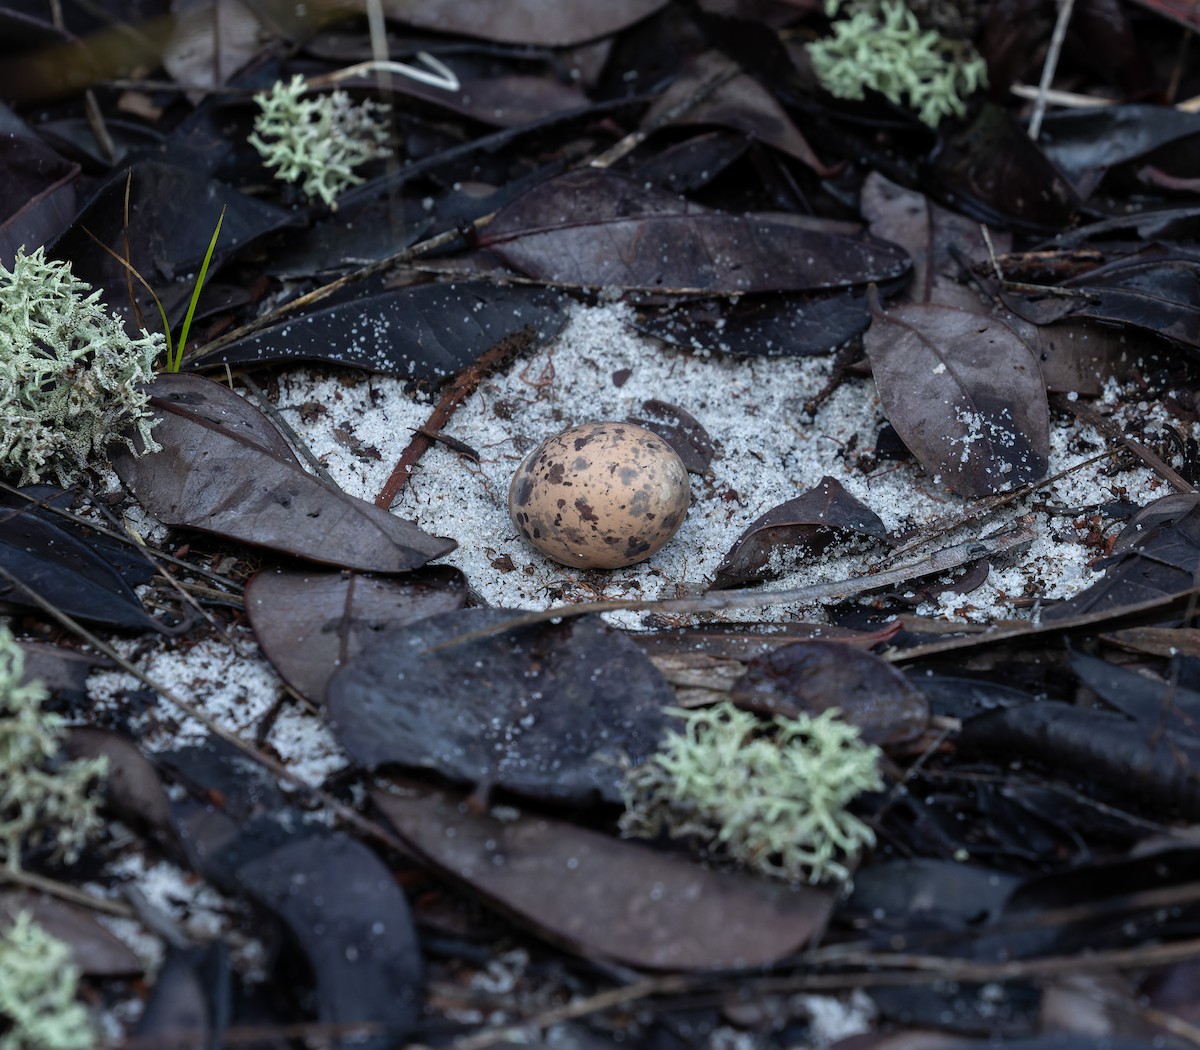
1056	42
1019	534
1111	431
460	388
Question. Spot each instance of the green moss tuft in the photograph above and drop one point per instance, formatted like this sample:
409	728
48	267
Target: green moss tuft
70	376
319	141
38	985
879	45
771	796
43	801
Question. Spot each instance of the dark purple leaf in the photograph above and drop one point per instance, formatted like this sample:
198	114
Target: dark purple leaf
169	231
37	190
810	677
761	326
1156	554
965	394
545	711
742	104
679	429
64	672
82	573
1083	141
424	333
1169	706
310	625
991	170
1118	759
180	1010
693	163
1156	289
801	527
601	897
221	470
351	921
1080	356
131	783
601	230
74	138
939	241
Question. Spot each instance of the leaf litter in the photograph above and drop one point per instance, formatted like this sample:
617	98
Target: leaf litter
376	659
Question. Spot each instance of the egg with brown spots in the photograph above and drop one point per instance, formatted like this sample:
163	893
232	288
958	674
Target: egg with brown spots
600	495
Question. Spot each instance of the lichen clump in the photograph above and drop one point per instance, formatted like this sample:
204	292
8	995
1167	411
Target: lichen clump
70	376
44	801
318	141
770	795
38	987
880	45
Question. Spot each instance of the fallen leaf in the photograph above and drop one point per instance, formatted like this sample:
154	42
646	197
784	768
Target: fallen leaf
965	394
1156	289
741	103
309	624
939	241
548	711
1156	554
605	898
80	572
681	430
991	170
168	233
428	332
220	471
94	950
810	677
601	230
131	784
354	927
37	190
801	528
761	326
529	23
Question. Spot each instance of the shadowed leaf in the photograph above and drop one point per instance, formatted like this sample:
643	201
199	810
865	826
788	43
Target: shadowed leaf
810	677
801	527
964	393
601	230
309	625
602	897
221	470
546	711
83	573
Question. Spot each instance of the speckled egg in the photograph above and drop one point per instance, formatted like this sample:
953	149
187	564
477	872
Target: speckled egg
600	495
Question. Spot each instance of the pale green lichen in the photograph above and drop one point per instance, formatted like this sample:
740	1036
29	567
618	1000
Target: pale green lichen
880	45
45	802
318	141
770	795
38	987
70	376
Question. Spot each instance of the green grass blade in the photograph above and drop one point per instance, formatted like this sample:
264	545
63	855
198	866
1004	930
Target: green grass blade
175	361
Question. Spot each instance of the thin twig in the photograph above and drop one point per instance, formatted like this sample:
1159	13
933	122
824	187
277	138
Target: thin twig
1056	42
457	391
1016	536
1110	430
872	969
32	881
